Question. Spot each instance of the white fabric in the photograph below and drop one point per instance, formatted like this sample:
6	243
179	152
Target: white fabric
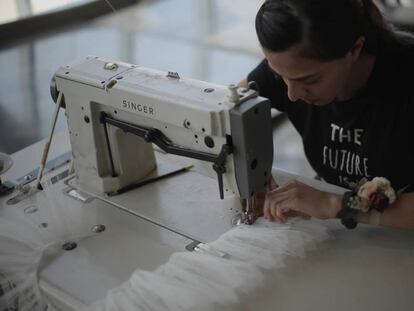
25	245
203	281
187	281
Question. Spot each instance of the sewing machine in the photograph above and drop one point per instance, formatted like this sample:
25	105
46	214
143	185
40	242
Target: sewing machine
116	110
97	227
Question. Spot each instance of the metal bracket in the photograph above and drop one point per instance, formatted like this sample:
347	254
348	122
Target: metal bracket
173	75
200	247
6	187
50	166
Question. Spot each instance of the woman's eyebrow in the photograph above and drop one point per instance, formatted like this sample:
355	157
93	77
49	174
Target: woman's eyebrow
301	78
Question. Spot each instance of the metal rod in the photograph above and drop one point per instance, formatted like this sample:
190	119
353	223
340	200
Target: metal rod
151	180
111	160
157	137
48	141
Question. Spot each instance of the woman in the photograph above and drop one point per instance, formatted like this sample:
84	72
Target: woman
343	77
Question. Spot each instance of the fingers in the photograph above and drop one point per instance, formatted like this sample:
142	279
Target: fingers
272	205
282	215
291	214
294	184
266	207
266	211
282	204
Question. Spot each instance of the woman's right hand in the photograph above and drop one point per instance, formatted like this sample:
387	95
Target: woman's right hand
259	199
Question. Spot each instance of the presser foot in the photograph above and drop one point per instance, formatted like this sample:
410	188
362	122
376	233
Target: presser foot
249	219
246	216
243	218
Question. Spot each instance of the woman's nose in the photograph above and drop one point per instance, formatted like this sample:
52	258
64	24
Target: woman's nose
295	91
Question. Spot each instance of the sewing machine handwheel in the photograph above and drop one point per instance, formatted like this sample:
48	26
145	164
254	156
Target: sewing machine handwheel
54	93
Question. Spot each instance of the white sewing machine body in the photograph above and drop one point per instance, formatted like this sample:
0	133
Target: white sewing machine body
106	102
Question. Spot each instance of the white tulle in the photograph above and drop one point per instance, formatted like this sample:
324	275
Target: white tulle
187	281
203	281
26	244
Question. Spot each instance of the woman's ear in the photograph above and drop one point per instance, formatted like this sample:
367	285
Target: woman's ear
356	49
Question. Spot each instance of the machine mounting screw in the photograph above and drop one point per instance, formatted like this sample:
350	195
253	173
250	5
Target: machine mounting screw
98	228
110	66
68	246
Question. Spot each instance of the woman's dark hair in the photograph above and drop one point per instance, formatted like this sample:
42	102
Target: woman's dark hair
321	29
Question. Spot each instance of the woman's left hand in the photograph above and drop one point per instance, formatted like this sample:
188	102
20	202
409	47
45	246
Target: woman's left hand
297	199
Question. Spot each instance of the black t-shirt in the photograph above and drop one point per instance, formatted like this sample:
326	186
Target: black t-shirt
368	136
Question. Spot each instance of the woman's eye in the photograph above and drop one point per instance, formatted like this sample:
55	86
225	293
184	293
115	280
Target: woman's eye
312	81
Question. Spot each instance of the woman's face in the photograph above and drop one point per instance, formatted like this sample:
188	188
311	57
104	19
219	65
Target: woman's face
313	81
